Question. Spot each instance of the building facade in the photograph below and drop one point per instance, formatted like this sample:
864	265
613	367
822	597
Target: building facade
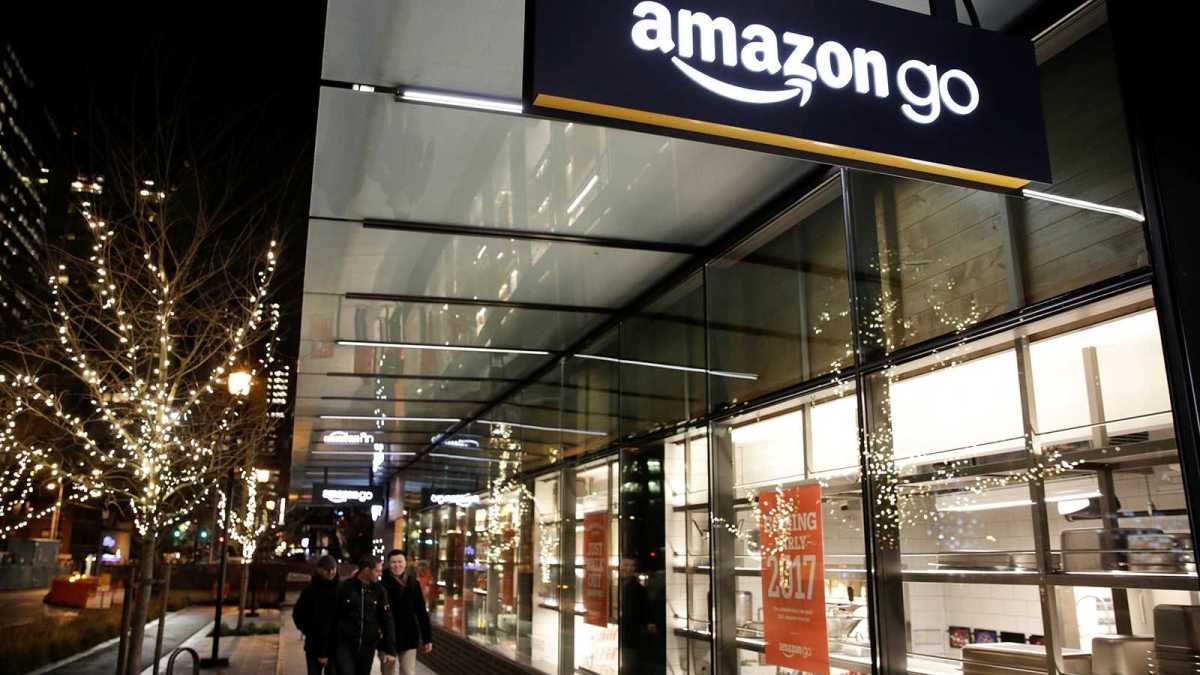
28	152
672	407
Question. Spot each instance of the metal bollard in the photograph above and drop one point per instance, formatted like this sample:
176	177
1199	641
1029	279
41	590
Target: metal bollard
175	654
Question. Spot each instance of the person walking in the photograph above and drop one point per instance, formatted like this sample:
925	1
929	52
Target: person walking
363	622
313	614
409	614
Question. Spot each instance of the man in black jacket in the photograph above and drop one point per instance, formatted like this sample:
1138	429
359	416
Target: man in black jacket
363	622
409	612
314	614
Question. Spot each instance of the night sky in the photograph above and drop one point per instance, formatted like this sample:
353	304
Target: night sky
247	74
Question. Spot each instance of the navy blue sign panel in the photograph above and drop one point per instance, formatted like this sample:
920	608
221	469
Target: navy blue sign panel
849	82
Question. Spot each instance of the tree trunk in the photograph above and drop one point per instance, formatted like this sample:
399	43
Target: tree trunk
242	593
141	605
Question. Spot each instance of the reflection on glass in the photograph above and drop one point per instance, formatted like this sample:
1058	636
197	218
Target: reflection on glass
778	305
933	258
670	331
781	457
597	560
1065	248
643	581
1059	462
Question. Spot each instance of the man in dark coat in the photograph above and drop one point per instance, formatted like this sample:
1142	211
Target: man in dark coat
363	621
314	614
409	612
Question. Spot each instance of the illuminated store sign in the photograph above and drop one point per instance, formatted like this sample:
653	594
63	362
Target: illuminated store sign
336	496
348	438
345	494
850	82
456	500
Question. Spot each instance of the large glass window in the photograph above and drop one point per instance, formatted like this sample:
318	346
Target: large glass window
787	472
1063	248
991	506
688	552
597	560
663	361
779	304
1039	501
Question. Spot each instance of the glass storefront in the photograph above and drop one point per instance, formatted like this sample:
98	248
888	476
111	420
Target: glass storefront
938	416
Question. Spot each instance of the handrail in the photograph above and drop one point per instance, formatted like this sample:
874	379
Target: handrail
175	654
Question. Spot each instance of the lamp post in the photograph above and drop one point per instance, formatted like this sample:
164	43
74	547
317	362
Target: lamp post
239	386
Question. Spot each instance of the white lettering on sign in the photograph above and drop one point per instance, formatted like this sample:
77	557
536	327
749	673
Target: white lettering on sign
336	496
457	500
348	438
803	63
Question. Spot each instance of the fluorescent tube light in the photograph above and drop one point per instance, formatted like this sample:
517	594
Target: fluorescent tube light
591	185
1016	495
443	348
667	366
363	453
468	459
461	101
534	427
384	418
1090	206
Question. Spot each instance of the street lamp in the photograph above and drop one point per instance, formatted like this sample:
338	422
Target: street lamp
239	382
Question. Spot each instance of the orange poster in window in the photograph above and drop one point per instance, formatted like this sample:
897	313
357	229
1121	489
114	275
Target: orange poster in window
595	569
793	578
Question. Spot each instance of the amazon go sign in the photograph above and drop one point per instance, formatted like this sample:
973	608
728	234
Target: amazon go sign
799	60
851	82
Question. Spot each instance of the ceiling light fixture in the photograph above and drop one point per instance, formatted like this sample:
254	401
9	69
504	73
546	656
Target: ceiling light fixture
363	452
1090	206
443	348
461	101
464	458
384	418
534	427
667	366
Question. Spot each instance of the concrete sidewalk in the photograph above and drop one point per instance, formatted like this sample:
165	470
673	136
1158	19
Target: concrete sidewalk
248	655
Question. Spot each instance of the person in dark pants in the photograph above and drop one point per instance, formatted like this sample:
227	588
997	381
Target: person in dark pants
410	614
363	622
314	614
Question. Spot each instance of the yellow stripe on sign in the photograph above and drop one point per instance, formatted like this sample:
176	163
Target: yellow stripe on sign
778	140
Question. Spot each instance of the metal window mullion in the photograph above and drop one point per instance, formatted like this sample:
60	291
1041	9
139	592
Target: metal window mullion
1011	220
889	653
1041	524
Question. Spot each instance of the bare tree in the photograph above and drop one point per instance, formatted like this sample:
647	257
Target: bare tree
142	332
25	465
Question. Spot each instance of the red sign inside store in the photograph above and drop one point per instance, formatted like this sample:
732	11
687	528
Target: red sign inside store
595	569
793	578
